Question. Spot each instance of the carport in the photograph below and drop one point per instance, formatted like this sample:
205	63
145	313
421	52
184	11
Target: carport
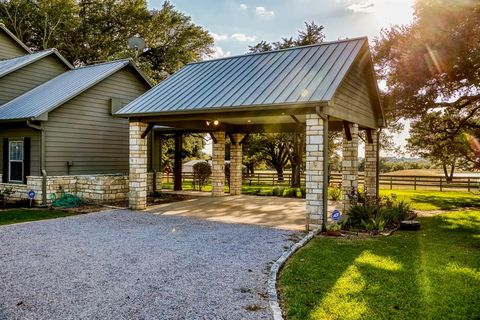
311	89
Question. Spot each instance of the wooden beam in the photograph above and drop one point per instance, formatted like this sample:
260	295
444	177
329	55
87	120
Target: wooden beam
369	135
243	139
147	131
177	166
295	118
346	127
212	135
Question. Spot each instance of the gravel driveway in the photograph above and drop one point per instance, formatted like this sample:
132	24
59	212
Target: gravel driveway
130	265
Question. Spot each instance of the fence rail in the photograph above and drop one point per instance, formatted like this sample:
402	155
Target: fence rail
387	181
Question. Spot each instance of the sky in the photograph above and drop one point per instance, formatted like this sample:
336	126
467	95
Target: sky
236	24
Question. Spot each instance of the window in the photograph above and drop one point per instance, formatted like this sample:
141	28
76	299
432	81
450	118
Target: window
15	161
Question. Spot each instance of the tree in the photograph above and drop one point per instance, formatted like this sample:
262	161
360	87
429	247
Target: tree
201	173
90	31
281	148
432	73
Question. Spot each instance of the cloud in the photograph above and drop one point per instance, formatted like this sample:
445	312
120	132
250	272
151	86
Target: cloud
219	37
243	38
264	13
243	6
362	6
218	53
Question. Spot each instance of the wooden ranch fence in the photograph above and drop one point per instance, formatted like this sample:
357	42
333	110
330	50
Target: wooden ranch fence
387	181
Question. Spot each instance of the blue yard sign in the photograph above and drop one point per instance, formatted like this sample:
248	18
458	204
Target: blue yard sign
336	215
31	195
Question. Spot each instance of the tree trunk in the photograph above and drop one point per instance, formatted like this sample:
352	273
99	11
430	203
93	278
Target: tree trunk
296	176
448	176
279	169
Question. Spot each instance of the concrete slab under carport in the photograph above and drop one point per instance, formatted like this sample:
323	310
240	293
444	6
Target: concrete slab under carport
276	212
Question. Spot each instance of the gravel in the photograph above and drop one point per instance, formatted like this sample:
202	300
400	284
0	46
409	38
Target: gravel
130	265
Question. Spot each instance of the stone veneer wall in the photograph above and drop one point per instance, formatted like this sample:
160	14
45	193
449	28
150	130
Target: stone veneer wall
371	166
137	197
94	188
218	165
236	164
314	171
349	166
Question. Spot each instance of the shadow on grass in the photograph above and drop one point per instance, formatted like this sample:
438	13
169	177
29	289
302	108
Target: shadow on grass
410	275
446	203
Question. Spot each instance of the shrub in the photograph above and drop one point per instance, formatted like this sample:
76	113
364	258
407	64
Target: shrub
278	191
376	213
201	173
375	225
290	192
5	196
334	227
335	193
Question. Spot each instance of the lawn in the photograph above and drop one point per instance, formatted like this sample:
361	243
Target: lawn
436	200
430	274
24	215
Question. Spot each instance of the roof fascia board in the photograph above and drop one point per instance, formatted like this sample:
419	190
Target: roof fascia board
47	53
287	108
11	35
142	75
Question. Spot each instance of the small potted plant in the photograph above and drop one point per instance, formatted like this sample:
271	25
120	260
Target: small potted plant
334	230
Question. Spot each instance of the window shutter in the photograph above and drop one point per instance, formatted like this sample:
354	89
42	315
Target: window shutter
26	158
5	160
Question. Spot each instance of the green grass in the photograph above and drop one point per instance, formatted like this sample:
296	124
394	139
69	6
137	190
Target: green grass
430	274
24	215
436	200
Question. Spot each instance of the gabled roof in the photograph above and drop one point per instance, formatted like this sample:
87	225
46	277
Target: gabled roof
11	35
59	90
295	76
10	65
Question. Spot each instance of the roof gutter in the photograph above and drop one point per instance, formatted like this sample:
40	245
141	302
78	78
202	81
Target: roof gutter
43	169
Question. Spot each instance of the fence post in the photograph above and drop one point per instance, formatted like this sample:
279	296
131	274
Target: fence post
468	185
441	185
391	183
415	183
258	179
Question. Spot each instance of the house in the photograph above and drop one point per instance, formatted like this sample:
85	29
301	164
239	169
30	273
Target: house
11	46
57	129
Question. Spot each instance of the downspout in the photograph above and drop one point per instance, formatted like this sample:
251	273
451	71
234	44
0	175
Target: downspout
322	114
43	169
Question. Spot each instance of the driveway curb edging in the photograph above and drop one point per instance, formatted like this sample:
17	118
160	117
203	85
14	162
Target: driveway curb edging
272	277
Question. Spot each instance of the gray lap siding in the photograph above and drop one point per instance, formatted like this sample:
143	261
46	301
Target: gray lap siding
9	48
83	131
25	79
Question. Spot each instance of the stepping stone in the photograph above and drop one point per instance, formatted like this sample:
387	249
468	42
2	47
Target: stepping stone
410	225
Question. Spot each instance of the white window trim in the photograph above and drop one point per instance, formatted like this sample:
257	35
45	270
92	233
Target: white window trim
10	161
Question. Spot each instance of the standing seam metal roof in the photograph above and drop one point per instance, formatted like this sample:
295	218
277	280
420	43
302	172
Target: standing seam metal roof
291	76
58	90
10	65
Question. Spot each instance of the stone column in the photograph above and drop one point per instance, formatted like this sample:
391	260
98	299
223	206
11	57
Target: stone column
314	171
218	165
137	196
349	166
371	164
236	163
